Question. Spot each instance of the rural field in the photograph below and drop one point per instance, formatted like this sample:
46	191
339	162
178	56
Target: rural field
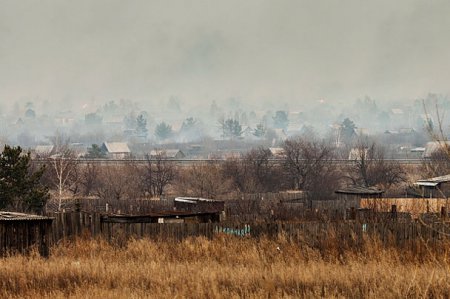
227	267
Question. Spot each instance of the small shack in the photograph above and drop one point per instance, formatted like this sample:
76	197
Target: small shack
20	232
350	197
199	205
437	187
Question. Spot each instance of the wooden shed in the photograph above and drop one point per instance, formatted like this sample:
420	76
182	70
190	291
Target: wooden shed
437	187
350	197
20	232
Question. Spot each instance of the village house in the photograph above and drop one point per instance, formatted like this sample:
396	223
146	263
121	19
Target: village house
43	151
116	150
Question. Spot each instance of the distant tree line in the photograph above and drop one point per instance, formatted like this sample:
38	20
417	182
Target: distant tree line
306	164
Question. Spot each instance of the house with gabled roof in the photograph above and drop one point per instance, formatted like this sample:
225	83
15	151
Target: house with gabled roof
43	151
116	150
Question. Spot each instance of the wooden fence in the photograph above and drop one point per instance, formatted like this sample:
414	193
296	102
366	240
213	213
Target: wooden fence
351	233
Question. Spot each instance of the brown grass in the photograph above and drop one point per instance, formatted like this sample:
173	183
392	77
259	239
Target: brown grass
225	267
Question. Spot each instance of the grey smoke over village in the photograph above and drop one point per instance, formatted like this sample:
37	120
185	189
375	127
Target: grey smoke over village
89	69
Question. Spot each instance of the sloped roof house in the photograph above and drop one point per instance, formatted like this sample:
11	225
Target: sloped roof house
116	150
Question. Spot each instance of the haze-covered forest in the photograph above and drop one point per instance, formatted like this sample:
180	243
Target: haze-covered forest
402	126
155	75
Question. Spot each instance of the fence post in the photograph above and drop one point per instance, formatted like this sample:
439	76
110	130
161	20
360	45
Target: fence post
443	212
394	211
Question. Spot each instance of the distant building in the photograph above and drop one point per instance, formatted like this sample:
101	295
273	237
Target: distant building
434	187
277	152
43	151
167	153
79	149
357	153
116	150
433	147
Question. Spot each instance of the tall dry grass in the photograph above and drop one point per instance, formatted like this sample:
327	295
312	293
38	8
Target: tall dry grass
225	267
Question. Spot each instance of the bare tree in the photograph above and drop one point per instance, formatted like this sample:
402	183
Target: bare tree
62	171
306	160
117	182
437	164
253	173
203	180
89	178
370	168
158	174
438	161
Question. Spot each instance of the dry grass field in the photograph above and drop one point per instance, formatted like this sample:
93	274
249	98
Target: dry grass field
225	267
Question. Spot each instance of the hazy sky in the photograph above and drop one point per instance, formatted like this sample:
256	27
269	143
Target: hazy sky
201	50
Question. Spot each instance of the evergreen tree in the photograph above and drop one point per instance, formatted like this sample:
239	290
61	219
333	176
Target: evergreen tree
260	131
231	128
280	120
163	131
95	152
141	126
20	186
348	129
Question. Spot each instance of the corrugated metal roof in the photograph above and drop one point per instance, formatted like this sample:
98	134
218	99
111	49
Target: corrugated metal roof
13	216
194	199
117	147
432	182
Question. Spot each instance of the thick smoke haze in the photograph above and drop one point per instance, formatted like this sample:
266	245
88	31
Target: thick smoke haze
292	52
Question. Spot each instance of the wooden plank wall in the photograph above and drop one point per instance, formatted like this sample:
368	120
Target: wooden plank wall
22	236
